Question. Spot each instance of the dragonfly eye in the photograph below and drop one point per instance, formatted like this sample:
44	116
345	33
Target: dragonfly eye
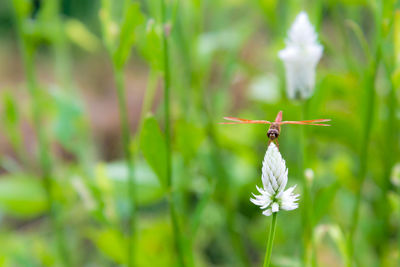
272	134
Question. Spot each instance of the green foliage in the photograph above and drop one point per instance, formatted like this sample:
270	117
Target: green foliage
22	195
150	191
132	18
111	243
150	42
223	62
152	144
79	34
323	201
120	36
189	137
10	120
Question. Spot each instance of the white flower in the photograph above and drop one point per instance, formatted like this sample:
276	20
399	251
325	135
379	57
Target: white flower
309	174
395	176
274	178
300	58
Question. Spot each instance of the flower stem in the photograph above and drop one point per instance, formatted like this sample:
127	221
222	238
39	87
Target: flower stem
270	242
126	140
167	84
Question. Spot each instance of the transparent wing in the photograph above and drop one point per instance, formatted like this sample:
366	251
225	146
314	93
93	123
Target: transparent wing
308	122
243	121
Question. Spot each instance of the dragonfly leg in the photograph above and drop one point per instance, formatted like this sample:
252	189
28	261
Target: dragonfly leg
270	141
276	142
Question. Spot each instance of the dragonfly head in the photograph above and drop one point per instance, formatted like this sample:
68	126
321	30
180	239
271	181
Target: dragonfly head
273	133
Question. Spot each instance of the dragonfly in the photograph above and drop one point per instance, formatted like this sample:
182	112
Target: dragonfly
275	126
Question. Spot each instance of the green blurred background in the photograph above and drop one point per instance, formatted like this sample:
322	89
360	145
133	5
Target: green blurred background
223	60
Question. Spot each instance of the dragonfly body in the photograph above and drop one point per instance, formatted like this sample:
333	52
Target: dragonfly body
274	131
275	126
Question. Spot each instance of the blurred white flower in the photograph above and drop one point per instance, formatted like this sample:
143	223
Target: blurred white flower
309	174
300	58
274	178
265	89
395	176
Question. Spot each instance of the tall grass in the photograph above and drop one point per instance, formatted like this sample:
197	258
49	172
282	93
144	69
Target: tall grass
126	141
368	119
309	256
185	197
119	45
28	51
178	241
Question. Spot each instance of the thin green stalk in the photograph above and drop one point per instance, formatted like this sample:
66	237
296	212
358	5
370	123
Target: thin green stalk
126	142
390	150
309	257
370	77
368	120
60	47
167	83
28	52
270	242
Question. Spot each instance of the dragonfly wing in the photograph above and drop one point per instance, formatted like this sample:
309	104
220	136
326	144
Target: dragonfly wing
243	121
312	122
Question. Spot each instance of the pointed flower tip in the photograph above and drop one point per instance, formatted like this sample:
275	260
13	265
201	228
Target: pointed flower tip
274	177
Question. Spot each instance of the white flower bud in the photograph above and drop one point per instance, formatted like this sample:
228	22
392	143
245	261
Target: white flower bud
300	57
274	178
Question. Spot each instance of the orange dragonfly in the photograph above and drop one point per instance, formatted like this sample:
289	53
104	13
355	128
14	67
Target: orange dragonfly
275	128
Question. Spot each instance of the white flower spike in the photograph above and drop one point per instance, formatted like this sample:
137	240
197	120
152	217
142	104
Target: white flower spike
274	178
300	57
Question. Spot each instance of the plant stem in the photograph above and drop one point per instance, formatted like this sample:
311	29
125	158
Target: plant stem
309	257
271	236
28	52
126	140
370	77
167	83
368	120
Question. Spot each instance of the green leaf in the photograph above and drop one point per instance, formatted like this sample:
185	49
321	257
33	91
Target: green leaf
111	243
10	120
154	148
22	196
109	27
149	44
78	33
132	19
10	109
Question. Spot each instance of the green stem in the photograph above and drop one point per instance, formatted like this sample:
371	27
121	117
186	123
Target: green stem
126	140
309	257
28	52
167	83
270	242
368	120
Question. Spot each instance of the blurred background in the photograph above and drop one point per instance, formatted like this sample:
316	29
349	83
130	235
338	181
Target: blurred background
223	62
